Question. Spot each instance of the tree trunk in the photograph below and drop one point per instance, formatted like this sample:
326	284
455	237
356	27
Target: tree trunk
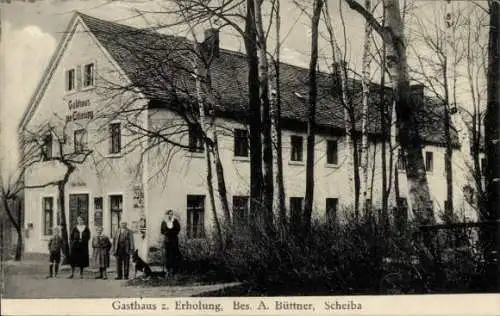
17	224
311	117
385	131
255	112
276	123
448	164
19	246
492	119
355	160
408	125
221	182
219	170
267	149
365	82
211	194
349	149
492	142
206	140
62	214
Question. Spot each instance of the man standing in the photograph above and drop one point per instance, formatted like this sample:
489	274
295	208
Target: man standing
123	247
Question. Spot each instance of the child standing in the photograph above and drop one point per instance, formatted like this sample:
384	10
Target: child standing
55	248
100	254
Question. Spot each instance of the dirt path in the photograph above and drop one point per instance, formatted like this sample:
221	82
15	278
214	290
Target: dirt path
26	279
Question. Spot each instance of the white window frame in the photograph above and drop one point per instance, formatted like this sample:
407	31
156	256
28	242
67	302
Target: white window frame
66	80
92	84
119	153
42	217
327	140
296	162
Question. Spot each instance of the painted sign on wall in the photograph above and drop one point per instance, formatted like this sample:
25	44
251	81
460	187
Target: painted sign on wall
79	115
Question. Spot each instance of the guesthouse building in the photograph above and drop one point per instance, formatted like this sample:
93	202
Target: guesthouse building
107	118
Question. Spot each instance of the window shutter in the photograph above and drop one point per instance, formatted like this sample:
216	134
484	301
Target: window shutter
94	73
79	77
66	80
110	139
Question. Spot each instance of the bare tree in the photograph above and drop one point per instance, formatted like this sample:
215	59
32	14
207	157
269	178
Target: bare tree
346	89
364	115
311	115
408	126
492	138
267	158
276	121
37	143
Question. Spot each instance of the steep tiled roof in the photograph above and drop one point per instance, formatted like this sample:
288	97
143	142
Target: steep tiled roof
156	63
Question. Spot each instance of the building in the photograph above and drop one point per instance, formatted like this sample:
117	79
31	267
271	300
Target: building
104	93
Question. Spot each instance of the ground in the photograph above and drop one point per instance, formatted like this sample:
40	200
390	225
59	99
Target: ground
26	279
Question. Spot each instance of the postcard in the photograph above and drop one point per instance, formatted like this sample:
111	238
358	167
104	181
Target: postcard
249	157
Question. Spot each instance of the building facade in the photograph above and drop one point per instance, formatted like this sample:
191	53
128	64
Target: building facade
133	160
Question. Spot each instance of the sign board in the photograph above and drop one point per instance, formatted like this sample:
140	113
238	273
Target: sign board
138	197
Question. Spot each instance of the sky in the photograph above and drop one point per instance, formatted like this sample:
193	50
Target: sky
31	30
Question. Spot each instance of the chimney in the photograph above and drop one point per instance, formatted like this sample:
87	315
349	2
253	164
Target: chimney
211	42
417	94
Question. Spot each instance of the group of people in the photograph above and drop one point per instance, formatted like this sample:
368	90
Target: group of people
122	248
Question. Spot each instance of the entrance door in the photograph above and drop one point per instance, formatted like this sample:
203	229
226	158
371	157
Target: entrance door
78	206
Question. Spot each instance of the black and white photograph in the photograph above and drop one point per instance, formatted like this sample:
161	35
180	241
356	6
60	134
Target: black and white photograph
249	148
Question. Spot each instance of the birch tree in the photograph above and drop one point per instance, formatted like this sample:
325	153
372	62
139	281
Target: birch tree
408	126
276	121
267	153
364	114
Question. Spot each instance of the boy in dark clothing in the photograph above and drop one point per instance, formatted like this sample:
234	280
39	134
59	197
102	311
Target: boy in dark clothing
55	248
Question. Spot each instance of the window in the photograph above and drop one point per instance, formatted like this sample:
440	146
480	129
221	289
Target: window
296	211
429	161
47	147
331	152
401	160
48	215
483	167
115	136
331	209
368	205
359	151
241	143
98	221
70	80
88	75
401	213
80	140
195	227
240	210
468	192
195	139
297	148
116	208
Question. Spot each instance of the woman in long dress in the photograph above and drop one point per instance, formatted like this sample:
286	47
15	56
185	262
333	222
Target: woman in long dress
170	229
100	253
79	247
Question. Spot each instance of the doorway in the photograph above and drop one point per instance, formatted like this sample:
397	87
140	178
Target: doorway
78	206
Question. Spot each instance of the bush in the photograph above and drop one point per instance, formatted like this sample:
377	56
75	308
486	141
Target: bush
365	256
334	258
